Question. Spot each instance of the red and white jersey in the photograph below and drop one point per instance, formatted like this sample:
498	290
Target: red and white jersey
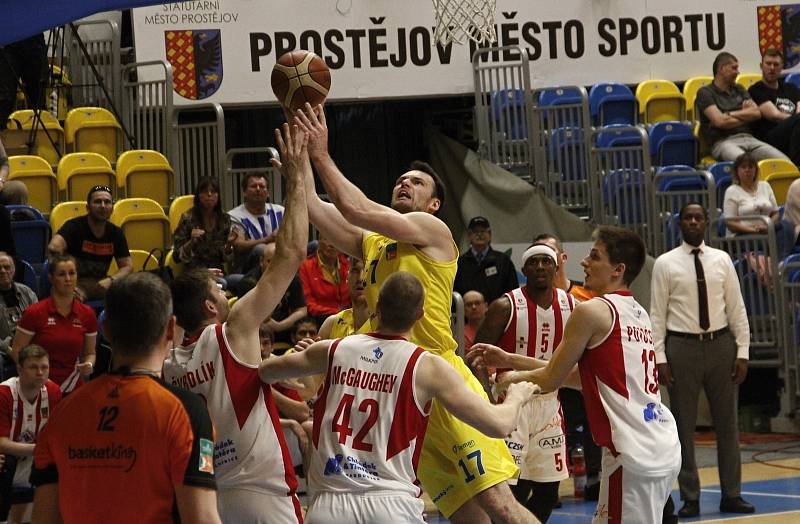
250	451
620	390
368	424
534	331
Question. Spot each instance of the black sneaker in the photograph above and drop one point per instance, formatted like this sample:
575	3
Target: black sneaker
591	491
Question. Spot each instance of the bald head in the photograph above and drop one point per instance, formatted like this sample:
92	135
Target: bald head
400	302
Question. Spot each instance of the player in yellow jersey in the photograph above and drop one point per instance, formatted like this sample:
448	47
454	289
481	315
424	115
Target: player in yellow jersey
461	469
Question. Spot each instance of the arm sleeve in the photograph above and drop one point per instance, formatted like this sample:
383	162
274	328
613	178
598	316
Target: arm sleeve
730	206
659	297
44	469
705	99
758	93
29	322
771	195
736	312
90	321
5	411
120	245
181	236
69	230
191	442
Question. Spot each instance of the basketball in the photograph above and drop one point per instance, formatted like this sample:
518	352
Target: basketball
299	77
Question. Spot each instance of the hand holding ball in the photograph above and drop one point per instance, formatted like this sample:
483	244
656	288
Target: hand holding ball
299	77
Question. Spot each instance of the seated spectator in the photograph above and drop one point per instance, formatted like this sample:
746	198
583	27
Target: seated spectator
265	339
324	279
63	326
305	328
779	103
14	299
203	236
475	308
726	112
93	241
255	222
291	309
791	210
481	267
26	402
748	196
11	191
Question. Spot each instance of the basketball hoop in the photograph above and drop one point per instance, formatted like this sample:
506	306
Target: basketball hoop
456	19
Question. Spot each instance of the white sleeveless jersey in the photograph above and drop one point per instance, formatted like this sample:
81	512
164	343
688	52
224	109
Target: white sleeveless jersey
534	331
620	390
250	451
368	425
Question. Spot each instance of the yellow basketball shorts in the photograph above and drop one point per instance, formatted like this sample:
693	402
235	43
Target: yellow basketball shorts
458	461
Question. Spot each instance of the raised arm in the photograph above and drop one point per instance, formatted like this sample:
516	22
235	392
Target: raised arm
256	306
437	379
309	362
421	229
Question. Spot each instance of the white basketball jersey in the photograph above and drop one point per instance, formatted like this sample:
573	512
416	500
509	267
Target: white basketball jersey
620	390
250	451
368	425
534	331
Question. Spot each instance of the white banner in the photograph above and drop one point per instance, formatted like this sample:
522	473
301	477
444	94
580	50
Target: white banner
223	50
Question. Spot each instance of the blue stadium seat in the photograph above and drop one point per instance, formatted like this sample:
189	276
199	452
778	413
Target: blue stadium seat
566	151
626	195
29	277
508	113
31	233
611	103
721	170
682	183
793	78
617	135
559	96
673	143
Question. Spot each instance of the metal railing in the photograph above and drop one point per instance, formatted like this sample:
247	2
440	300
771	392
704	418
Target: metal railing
201	144
790	369
147	108
104	53
249	160
503	103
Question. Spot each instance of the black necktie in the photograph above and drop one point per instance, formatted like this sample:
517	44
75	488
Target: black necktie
702	293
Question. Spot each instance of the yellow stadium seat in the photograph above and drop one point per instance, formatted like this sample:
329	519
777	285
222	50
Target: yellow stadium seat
690	89
174	265
93	130
79	172
179	206
747	79
779	174
144	223
65	211
138	257
146	173
703	147
660	101
37	175
48	137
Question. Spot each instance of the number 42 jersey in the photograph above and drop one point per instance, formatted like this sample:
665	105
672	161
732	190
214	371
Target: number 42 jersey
368	424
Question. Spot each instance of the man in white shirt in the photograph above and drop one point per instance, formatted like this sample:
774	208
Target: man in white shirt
255	222
702	340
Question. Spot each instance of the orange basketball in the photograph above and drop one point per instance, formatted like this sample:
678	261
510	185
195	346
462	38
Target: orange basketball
299	77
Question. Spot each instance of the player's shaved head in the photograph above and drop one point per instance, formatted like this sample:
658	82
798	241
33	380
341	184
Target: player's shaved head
400	302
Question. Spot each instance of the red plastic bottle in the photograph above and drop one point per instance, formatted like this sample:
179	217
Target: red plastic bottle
579	470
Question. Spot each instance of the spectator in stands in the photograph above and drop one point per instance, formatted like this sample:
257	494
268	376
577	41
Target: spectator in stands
11	191
203	236
14	299
475	307
701	339
324	279
93	241
481	267
791	211
265	339
63	326
304	328
779	104
348	321
748	196
726	112
22	64
291	309
26	402
255	222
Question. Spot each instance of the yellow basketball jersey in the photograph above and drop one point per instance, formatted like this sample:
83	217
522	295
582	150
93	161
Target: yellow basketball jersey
384	256
342	324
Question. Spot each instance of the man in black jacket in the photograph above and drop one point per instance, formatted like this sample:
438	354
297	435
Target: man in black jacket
482	268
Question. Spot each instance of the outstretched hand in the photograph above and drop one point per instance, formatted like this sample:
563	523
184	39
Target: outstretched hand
487	355
312	121
293	147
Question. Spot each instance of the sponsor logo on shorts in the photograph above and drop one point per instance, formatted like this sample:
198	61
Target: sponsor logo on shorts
206	456
515	446
463	446
601	512
654	413
551	442
442	493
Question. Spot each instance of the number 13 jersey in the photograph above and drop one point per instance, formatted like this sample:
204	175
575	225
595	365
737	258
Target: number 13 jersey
620	390
368	424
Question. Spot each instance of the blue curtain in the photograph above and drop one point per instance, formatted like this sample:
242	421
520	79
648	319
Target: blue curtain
24	18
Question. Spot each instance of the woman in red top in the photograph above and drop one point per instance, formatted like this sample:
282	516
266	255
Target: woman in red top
63	326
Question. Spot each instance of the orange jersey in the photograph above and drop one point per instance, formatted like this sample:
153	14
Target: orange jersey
118	446
577	290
